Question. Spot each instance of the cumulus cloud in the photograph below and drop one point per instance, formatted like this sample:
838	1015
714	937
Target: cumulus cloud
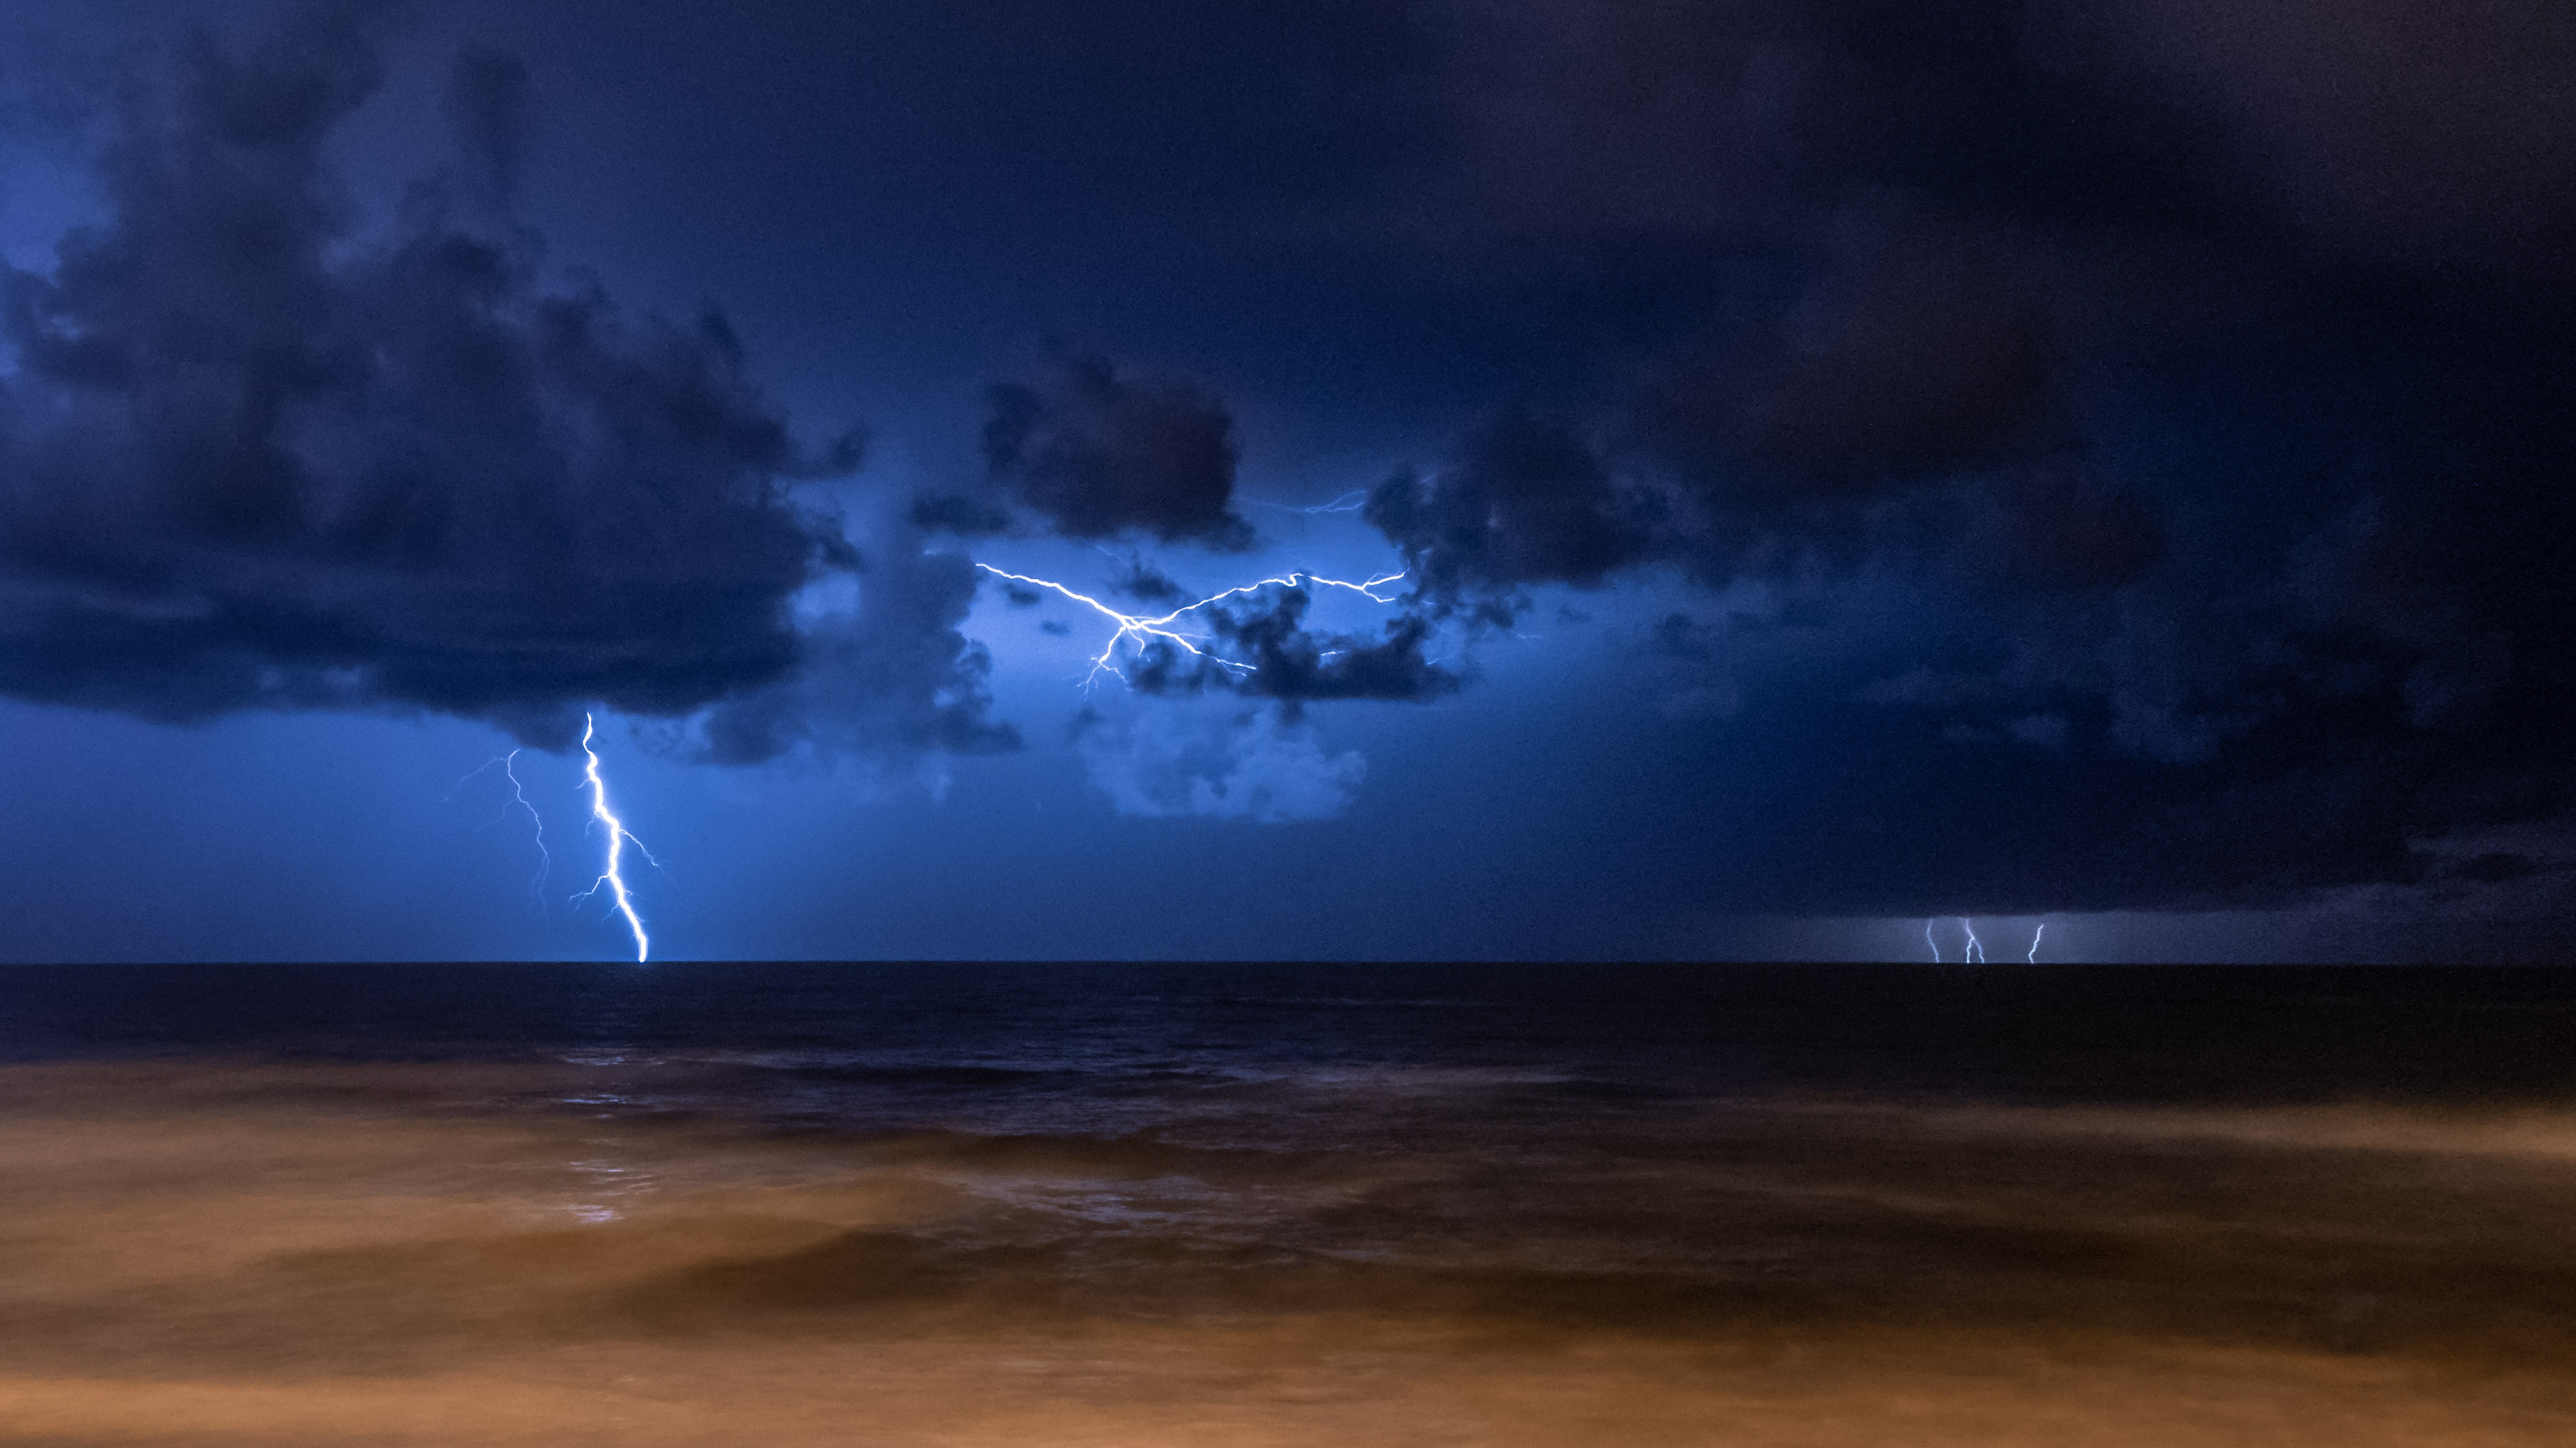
1099	454
1263	766
2166	401
1261	648
1526	501
883	669
253	455
2150	419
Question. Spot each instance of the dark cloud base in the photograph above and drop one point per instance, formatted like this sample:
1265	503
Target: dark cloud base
1097	454
2166	481
249	459
2111	457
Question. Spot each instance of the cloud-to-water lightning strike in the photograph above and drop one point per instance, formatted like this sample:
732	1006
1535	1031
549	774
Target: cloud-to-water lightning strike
1141	628
618	835
1928	940
1975	952
2033	957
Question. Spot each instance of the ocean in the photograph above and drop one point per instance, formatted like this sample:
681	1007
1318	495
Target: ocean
1125	1204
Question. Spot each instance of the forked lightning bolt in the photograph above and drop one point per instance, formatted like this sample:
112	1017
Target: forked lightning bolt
518	800
618	835
1141	628
1350	502
1975	953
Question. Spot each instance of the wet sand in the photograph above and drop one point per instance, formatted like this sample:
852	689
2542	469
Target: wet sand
204	1251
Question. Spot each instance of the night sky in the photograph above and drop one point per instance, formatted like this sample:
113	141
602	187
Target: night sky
1851	462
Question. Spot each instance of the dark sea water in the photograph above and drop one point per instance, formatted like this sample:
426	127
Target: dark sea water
1144	1204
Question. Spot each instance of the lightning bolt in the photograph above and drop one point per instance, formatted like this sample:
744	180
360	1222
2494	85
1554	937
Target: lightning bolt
518	800
618	835
1976	949
1142	628
1928	940
2033	957
1350	502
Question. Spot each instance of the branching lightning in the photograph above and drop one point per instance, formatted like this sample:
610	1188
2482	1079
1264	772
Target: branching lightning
518	800
1975	951
2033	957
1350	502
618	836
1141	628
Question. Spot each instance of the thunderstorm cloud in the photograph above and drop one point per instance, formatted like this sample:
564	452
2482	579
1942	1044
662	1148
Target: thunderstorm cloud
2155	477
1846	456
253	456
1098	454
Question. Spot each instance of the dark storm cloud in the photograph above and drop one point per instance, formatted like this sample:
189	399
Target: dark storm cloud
1526	501
252	456
1277	657
889	672
2393	132
2156	417
487	107
1293	665
954	513
1099	454
1142	581
1907	354
1904	386
2068	527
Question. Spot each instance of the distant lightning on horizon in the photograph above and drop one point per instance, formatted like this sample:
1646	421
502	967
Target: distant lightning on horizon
1974	951
618	835
1140	627
1971	953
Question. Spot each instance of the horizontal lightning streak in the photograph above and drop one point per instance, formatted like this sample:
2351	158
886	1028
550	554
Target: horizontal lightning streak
1140	627
1350	502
